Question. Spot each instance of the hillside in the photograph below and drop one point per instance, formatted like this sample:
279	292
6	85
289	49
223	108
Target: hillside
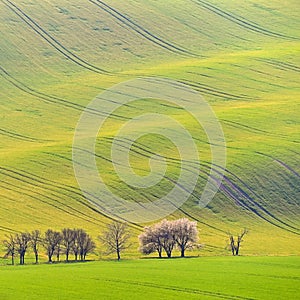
243	58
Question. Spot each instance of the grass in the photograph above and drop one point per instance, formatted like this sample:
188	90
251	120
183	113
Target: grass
190	278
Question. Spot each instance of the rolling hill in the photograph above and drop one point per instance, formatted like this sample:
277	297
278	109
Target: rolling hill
243	58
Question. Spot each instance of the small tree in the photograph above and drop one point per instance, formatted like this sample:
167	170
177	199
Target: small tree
151	240
35	240
58	248
86	247
167	236
235	245
68	237
50	242
21	242
10	248
185	233
75	244
115	238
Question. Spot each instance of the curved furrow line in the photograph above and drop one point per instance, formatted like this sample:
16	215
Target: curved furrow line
8	230
22	215
281	163
39	199
235	192
256	130
145	197
140	30
259	80
53	192
255	70
92	199
60	207
149	154
170	180
52	99
193	193
179	289
252	210
245	185
280	64
209	90
241	193
52	41
242	21
72	190
287	167
21	137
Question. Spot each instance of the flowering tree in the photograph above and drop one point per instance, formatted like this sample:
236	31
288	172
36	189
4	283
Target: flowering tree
166	235
186	234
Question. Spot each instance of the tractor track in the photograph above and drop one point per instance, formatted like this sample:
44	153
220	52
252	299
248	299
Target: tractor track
210	90
140	30
240	21
178	289
51	99
52	41
48	185
280	64
231	189
58	205
21	137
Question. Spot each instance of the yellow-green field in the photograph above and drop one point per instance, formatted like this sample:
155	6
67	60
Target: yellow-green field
243	58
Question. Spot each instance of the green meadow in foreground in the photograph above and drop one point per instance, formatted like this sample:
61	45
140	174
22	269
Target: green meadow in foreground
190	278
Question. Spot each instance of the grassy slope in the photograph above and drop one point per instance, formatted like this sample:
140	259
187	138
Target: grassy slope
197	278
244	63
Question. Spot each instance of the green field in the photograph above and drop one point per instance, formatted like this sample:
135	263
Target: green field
191	278
56	56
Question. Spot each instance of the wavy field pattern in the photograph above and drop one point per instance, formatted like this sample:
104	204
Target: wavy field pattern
243	58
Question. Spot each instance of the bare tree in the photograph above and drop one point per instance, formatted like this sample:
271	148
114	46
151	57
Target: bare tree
235	244
21	242
81	238
75	244
50	242
35	240
58	248
87	245
116	238
185	233
10	248
68	236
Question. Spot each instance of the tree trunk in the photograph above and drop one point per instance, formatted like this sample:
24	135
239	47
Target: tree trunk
12	259
36	258
118	254
159	253
67	256
182	252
